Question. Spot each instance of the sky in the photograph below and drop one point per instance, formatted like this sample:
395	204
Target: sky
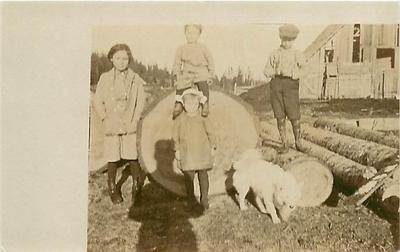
247	45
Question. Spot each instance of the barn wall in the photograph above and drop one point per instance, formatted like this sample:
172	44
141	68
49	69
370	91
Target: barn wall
355	80
343	42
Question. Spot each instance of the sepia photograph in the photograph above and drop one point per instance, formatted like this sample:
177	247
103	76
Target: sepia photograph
199	126
245	137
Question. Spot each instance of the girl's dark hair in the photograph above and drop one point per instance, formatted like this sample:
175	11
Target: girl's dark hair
120	47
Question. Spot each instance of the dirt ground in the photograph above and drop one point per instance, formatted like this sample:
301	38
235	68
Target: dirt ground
162	222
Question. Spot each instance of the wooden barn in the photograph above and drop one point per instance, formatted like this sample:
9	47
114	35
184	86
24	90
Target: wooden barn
353	61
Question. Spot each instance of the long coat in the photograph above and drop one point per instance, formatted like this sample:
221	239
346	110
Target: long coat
194	137
119	101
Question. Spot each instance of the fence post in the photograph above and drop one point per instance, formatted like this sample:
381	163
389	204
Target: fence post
383	84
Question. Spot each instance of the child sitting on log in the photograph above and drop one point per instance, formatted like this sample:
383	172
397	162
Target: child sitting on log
194	144
193	66
283	67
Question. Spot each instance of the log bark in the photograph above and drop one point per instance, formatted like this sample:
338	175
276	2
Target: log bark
350	173
345	129
361	151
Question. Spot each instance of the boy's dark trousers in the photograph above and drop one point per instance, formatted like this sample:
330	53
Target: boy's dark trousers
204	186
204	88
285	102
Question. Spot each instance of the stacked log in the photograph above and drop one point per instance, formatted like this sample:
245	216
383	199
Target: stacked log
345	129
346	170
350	173
361	151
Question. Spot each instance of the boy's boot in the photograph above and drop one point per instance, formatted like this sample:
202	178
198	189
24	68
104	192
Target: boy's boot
204	109
282	132
177	110
297	136
204	185
115	195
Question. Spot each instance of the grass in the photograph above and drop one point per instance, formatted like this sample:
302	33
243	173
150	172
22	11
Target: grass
163	223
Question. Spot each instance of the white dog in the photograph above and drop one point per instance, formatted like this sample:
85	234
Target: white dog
272	186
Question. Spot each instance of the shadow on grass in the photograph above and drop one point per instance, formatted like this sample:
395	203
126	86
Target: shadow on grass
165	221
390	216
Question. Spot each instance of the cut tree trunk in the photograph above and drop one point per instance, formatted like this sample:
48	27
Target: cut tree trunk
350	173
235	126
345	129
315	177
361	151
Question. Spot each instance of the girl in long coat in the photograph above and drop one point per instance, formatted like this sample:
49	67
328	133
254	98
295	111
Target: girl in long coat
119	101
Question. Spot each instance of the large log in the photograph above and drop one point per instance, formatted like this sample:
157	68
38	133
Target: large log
362	151
235	126
346	129
350	173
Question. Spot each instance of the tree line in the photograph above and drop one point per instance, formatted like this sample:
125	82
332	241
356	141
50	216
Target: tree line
159	77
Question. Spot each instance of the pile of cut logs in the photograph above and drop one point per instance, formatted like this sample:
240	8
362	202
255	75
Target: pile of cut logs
363	161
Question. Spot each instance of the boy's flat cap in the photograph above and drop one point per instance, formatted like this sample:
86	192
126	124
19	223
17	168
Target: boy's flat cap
288	31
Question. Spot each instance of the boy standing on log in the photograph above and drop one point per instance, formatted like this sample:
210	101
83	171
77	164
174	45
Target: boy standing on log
283	67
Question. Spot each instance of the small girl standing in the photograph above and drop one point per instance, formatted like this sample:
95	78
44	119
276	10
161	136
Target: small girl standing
194	65
119	101
195	144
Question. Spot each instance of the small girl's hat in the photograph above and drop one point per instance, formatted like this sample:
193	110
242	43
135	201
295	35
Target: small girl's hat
288	31
193	92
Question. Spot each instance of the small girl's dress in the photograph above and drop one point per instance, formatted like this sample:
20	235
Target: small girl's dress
194	137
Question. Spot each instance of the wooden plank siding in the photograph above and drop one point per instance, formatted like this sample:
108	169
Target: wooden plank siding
367	78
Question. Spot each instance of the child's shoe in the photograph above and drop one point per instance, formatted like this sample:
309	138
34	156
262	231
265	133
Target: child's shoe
204	203
297	137
191	204
300	146
282	132
115	193
204	109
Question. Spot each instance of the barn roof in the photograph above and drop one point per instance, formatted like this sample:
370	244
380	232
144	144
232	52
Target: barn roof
321	40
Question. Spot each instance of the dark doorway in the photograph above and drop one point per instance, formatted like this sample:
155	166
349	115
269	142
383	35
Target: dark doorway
386	53
356	43
329	53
